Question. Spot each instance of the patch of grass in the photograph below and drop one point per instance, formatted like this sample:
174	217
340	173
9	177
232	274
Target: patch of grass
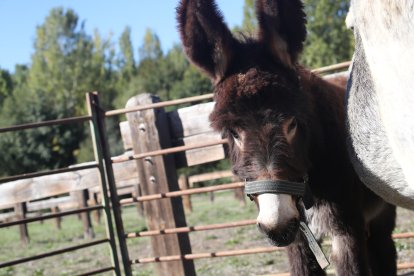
211	237
225	208
238	262
233	241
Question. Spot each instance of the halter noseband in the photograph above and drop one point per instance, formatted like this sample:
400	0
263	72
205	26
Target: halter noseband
300	189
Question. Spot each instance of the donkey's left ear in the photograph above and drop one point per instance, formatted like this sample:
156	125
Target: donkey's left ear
282	28
207	40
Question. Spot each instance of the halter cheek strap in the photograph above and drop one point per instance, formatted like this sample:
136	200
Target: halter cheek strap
300	189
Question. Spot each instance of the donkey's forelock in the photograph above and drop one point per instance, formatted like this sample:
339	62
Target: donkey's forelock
253	93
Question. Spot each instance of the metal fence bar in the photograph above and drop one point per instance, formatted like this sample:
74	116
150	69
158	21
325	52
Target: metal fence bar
183	192
50	172
338	66
221	226
46	123
167	151
190	229
50	216
103	157
97	271
206	255
52	253
160	104
403	235
405	266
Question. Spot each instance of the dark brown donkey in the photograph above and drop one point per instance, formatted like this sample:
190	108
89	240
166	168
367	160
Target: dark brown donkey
285	124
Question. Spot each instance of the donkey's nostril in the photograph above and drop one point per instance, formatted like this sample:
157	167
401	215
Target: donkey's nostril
262	228
259	225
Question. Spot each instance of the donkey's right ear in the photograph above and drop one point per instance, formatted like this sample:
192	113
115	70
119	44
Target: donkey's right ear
206	39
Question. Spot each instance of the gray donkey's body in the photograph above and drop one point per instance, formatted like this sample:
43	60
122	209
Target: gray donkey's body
380	102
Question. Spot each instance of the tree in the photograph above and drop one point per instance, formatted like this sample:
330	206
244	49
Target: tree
6	85
35	149
126	59
328	39
148	75
66	63
249	24
151	48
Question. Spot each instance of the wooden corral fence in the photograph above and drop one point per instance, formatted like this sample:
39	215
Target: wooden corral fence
159	142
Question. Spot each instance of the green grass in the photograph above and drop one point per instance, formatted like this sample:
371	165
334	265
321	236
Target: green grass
45	237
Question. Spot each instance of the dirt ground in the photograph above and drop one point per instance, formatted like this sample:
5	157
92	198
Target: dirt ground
225	208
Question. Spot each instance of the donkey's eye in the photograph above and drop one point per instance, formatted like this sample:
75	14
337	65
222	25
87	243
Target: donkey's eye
234	134
293	125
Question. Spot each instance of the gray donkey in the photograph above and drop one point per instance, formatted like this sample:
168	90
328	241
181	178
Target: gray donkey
380	98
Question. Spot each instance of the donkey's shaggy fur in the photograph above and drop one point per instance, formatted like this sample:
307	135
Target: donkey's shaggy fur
285	123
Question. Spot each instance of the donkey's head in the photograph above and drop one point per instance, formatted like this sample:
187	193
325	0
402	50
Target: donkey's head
260	106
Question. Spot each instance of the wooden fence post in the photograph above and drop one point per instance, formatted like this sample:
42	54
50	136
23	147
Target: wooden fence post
82	199
20	209
93	201
183	183
150	131
58	220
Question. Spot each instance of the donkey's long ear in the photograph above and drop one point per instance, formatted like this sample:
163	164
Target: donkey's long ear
206	38
282	28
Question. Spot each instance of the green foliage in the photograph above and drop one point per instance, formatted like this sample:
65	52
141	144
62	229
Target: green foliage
249	17
328	40
36	149
151	48
249	24
66	63
6	85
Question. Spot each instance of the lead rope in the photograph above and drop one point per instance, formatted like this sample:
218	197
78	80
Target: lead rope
313	245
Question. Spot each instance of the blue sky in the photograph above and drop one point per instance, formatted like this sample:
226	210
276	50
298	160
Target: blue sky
18	21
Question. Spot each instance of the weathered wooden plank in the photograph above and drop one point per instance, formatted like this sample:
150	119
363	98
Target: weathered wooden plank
150	132
202	155
184	122
339	79
49	203
126	135
208	176
46	186
190	121
189	125
52	185
4	217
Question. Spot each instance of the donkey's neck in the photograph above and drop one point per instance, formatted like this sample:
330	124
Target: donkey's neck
327	125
